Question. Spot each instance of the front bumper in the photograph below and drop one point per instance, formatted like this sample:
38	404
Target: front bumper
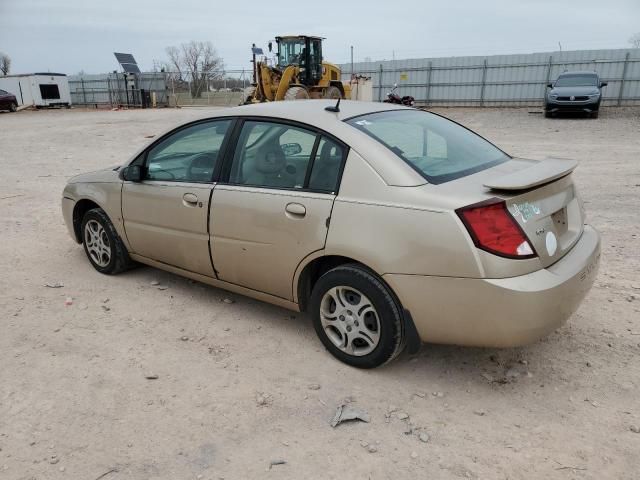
503	312
587	106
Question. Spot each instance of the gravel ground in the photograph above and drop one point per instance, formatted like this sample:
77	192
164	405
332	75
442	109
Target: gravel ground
243	385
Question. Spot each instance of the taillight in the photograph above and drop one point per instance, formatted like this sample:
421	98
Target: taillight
494	230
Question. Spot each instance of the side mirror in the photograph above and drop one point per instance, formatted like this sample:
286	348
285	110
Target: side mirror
290	149
132	173
549	85
603	84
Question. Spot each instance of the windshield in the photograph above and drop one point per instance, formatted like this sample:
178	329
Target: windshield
577	81
439	149
290	51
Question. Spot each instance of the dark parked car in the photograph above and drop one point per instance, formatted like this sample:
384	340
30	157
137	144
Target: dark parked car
578	92
8	101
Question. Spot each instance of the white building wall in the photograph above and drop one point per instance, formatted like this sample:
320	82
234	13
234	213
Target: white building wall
26	88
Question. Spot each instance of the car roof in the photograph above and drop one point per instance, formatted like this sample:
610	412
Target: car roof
303	110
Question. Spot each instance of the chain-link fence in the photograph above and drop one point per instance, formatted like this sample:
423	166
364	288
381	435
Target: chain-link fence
223	90
119	89
159	89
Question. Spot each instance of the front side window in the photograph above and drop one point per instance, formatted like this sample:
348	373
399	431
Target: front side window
291	52
276	155
439	149
189	155
578	80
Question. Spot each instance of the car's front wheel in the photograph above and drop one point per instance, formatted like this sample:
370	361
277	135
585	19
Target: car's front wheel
13	107
102	244
357	317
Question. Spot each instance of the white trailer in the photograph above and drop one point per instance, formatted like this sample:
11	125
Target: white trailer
38	89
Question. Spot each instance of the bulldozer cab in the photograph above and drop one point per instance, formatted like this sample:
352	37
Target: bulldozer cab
303	51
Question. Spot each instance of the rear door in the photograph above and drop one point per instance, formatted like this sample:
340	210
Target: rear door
275	206
166	215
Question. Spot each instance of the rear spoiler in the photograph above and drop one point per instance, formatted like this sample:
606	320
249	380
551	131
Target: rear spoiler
541	172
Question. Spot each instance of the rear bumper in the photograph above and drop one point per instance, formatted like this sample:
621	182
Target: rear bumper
502	312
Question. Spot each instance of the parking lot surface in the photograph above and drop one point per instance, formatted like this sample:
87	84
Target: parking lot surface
147	375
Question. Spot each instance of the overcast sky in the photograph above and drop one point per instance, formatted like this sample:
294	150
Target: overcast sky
73	35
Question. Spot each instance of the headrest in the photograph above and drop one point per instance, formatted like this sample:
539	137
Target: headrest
270	159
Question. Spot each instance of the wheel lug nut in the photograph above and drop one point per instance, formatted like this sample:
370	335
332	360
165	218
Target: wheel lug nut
348	329
356	323
342	317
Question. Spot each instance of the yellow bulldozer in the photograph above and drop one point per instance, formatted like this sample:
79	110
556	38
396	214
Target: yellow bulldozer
298	73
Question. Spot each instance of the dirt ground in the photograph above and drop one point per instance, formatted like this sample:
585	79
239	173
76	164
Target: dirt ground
241	385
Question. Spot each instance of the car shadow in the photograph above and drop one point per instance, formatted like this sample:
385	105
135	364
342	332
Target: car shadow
474	366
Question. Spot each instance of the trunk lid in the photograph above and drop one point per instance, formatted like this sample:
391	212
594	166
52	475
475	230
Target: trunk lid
543	200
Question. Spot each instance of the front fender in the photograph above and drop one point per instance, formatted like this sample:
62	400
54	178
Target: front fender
107	196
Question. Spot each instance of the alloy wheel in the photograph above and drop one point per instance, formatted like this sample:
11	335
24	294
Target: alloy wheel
350	320
97	242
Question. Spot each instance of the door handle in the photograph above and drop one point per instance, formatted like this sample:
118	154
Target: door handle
296	209
190	199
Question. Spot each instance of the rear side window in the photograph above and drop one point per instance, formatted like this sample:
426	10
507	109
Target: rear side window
276	155
437	148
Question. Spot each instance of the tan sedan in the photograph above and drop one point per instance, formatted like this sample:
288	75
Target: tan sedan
391	226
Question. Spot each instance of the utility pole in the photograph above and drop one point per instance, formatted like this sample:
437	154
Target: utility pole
253	60
351	59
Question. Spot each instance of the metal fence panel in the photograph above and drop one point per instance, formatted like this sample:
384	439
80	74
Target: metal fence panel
501	79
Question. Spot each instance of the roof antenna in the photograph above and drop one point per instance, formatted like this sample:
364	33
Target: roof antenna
335	108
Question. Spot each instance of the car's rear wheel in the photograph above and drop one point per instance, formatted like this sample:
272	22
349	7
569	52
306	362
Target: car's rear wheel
102	244
13	107
357	317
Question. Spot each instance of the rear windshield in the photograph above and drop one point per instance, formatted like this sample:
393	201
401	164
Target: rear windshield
437	148
577	81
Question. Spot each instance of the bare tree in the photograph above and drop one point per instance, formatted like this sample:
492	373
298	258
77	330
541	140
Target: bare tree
198	61
5	63
635	40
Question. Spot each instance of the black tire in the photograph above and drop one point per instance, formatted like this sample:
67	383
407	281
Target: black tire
119	260
548	114
594	114
13	107
391	341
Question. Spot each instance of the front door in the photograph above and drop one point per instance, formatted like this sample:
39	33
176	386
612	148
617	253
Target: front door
165	215
274	209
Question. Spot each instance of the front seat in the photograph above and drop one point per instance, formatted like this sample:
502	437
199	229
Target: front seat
325	176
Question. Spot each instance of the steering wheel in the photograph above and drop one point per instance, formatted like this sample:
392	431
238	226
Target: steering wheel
158	170
203	161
